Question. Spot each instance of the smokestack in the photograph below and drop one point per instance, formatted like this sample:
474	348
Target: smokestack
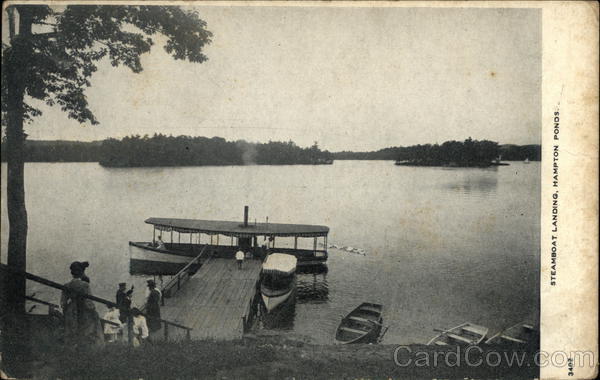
245	216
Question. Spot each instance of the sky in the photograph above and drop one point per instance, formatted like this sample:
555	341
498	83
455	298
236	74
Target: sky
350	78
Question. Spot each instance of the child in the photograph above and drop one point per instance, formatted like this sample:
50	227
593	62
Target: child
111	331
239	257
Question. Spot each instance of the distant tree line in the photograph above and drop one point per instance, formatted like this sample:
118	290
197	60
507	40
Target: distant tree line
521	152
161	150
450	151
58	151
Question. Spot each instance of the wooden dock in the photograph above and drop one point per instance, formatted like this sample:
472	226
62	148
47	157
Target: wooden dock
216	300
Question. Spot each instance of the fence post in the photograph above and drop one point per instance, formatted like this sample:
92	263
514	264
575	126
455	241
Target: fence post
188	334
166	327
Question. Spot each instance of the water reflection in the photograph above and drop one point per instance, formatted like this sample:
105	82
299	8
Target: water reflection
282	318
472	184
312	288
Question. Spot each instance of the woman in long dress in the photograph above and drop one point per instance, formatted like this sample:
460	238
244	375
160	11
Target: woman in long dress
153	307
82	323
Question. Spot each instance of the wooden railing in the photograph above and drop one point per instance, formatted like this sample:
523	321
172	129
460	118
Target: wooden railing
58	286
52	306
183	275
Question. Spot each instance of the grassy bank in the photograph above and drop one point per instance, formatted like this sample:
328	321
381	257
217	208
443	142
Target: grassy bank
266	358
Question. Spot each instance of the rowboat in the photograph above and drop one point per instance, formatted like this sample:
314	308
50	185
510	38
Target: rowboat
278	279
521	333
465	334
361	325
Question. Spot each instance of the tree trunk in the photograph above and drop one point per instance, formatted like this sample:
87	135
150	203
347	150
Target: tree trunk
16	66
14	288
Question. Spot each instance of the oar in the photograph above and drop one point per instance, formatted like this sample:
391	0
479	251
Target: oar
382	334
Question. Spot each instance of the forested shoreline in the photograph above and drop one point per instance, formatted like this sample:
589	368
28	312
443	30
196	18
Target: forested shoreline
161	150
448	152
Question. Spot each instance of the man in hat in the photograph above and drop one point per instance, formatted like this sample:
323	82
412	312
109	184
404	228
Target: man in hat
124	301
153	307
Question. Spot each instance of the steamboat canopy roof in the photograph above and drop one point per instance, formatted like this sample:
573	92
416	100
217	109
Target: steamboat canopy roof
237	229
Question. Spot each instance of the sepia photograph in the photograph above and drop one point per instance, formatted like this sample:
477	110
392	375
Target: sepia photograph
285	190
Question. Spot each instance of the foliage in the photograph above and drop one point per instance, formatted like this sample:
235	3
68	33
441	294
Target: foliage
521	152
452	153
60	63
506	152
58	151
287	153
161	150
55	67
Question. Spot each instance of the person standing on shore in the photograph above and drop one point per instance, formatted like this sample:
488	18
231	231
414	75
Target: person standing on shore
239	257
124	301
140	328
82	323
111	331
153	307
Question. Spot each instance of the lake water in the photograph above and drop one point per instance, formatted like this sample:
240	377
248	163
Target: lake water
444	245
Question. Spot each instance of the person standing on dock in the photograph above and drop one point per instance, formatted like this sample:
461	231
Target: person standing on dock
124	301
239	257
153	307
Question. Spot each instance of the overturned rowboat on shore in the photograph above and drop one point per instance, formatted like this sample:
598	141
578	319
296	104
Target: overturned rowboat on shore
464	334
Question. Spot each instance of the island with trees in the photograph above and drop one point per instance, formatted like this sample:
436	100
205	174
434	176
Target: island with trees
161	150
468	153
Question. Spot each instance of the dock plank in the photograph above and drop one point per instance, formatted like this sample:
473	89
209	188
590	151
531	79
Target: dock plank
215	299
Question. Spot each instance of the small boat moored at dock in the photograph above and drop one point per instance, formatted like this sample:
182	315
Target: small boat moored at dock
278	279
361	325
465	334
521	333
